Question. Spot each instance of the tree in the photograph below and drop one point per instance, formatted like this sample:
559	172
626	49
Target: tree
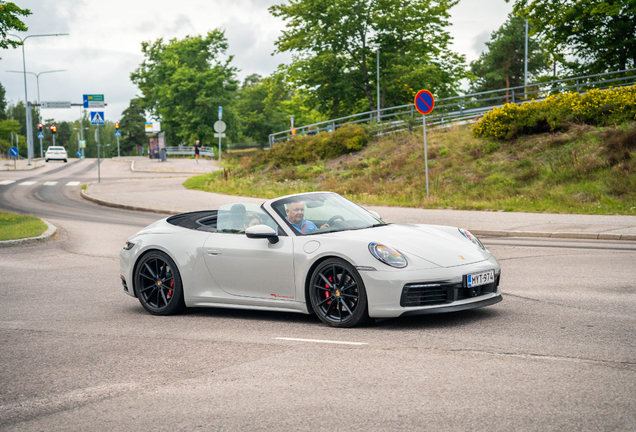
3	102
9	20
600	33
7	126
266	105
133	127
183	83
18	112
502	66
334	59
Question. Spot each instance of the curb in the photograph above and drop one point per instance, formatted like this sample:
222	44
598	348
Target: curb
563	235
50	231
105	203
133	169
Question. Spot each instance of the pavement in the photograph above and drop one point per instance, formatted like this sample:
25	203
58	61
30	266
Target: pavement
176	165
21	165
169	196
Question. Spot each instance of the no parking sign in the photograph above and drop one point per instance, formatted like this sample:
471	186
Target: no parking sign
424	102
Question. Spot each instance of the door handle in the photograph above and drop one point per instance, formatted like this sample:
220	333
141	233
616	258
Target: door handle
214	252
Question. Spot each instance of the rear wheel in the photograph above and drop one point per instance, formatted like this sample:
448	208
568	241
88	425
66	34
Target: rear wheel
158	284
46	160
65	160
337	294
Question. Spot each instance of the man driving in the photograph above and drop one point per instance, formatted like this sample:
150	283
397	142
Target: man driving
296	217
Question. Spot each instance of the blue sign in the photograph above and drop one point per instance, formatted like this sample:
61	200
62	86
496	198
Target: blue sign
424	102
220	113
79	154
117	133
40	135
97	117
13	151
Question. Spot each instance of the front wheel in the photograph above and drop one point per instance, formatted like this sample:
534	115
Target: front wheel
337	294
158	284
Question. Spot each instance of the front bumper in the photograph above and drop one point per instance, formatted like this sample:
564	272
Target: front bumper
385	289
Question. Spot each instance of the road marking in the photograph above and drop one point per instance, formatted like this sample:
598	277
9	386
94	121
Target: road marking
50	183
27	183
322	341
72	184
6	182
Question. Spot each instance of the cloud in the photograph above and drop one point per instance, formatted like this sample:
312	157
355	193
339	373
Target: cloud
479	44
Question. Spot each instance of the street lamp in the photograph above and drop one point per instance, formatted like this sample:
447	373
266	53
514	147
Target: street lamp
37	77
26	100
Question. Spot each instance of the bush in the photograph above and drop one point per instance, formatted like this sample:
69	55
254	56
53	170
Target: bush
596	108
301	150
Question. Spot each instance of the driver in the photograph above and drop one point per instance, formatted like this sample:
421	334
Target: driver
296	217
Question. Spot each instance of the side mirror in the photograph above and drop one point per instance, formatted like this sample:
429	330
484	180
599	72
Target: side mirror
262	232
375	215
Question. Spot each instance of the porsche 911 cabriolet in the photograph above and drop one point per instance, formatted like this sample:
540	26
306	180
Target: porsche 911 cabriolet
307	253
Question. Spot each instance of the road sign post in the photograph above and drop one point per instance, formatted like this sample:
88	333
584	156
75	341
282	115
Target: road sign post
13	151
97	118
219	131
424	103
40	136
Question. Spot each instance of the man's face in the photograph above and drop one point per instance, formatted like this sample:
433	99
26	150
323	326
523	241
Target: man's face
296	212
197	142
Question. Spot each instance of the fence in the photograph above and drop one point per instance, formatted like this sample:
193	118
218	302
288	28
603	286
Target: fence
467	107
183	150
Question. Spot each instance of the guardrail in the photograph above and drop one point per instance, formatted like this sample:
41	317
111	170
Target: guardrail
467	107
189	151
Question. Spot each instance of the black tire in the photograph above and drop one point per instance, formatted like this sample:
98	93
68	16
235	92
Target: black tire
158	284
46	160
65	160
337	294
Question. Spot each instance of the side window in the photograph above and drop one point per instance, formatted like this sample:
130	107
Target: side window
235	218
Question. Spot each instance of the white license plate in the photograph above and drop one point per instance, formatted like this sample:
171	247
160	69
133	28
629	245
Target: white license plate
477	279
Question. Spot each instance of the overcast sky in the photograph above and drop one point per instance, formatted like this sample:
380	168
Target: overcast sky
103	47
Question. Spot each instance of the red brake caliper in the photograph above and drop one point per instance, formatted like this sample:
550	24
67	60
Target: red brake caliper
327	292
171	286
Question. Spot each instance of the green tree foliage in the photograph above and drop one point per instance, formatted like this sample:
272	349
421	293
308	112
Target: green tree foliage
9	20
600	33
334	59
266	105
3	102
183	83
6	127
133	128
18	112
502	66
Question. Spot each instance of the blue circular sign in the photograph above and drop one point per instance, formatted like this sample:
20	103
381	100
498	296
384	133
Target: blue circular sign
424	102
13	151
79	154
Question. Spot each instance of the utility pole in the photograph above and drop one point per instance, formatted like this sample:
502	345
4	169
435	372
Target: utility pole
525	65
378	81
99	175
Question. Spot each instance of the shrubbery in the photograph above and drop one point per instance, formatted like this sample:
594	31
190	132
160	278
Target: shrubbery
596	107
301	150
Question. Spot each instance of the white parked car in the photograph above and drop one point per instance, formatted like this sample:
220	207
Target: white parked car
55	153
308	253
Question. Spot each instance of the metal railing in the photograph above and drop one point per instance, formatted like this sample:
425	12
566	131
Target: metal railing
468	107
183	150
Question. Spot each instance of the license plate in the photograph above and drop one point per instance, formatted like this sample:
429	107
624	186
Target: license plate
483	278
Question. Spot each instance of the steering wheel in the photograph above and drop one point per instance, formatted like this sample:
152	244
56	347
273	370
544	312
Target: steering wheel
335	218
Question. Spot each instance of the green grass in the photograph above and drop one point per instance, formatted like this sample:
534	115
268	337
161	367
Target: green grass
13	226
584	170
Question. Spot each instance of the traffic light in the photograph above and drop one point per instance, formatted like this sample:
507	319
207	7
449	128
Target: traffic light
53	129
116	126
40	126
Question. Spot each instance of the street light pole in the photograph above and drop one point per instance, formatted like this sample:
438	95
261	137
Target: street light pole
378	81
29	124
525	65
37	78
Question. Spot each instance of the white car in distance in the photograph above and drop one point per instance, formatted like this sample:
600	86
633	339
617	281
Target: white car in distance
55	153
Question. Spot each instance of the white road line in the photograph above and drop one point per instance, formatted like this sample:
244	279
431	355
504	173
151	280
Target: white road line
50	183
27	183
72	184
322	341
6	182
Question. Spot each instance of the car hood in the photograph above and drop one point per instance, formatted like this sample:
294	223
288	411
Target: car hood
440	247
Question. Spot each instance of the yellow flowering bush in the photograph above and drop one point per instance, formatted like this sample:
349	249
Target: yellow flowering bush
596	107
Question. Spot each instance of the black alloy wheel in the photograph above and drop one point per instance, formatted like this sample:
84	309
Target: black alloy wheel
158	284
337	294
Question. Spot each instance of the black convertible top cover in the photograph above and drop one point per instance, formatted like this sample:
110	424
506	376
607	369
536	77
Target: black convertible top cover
200	220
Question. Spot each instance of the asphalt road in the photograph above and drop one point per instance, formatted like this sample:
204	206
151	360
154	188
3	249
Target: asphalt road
76	353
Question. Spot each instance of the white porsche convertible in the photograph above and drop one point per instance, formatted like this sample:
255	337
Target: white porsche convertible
308	253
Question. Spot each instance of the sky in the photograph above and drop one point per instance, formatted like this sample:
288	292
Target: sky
104	43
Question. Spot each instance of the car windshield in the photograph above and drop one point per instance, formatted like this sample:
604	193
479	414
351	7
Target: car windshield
55	148
236	217
318	213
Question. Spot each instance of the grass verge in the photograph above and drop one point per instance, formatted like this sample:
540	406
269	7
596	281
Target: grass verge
588	170
14	226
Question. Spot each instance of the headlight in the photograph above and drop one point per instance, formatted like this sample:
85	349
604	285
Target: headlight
471	238
129	245
387	255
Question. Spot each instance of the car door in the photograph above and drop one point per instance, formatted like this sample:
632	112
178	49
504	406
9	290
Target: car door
249	267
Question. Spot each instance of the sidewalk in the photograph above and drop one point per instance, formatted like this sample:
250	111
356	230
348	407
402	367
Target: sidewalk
176	165
20	165
169	196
